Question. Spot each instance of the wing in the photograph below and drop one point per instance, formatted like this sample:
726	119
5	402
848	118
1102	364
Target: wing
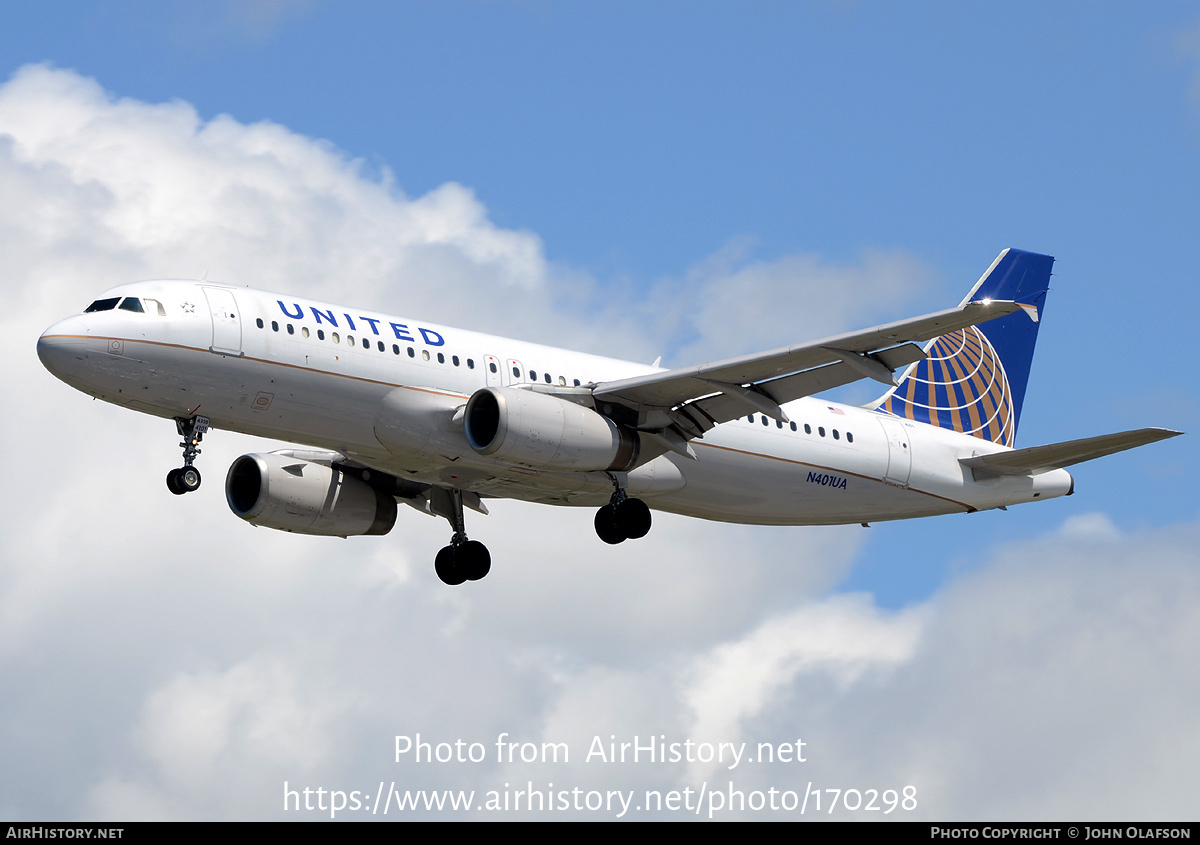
1037	459
677	405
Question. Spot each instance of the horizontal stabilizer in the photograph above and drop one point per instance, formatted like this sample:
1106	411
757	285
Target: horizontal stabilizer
1038	459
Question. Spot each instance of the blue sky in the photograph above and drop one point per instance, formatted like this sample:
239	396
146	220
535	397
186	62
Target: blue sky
943	128
636	179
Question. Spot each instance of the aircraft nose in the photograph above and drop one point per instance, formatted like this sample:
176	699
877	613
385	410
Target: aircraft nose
62	347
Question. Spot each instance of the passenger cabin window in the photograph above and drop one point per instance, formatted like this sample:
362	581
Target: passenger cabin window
131	303
102	305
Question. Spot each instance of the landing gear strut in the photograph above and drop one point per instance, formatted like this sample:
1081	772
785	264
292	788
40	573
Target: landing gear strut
187	478
464	559
623	518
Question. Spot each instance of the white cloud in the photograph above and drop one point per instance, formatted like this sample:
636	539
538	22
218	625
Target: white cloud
134	190
209	734
844	637
171	195
746	305
1090	526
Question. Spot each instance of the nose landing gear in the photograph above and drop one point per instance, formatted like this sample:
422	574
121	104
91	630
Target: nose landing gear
186	478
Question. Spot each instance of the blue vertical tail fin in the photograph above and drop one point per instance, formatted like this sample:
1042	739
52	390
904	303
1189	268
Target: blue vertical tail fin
974	379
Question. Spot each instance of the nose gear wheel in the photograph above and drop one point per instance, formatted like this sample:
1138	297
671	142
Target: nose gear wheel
183	480
186	479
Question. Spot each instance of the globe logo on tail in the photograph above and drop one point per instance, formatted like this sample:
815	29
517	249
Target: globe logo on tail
961	386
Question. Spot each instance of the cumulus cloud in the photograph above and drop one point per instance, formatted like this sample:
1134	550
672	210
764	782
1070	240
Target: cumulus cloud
170	195
844	637
734	298
161	659
1053	683
207	733
141	190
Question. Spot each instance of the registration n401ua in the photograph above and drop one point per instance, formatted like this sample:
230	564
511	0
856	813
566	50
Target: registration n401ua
387	409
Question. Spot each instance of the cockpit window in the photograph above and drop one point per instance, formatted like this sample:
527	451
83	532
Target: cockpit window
102	305
131	303
153	305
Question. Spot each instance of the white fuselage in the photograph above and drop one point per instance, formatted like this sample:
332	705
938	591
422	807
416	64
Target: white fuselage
384	391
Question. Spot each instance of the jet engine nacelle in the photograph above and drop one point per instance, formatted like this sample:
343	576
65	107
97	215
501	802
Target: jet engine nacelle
545	432
292	494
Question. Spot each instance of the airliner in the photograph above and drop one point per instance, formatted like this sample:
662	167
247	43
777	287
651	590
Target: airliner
386	410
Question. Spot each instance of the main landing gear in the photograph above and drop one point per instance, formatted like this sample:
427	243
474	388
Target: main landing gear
622	519
187	478
464	559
